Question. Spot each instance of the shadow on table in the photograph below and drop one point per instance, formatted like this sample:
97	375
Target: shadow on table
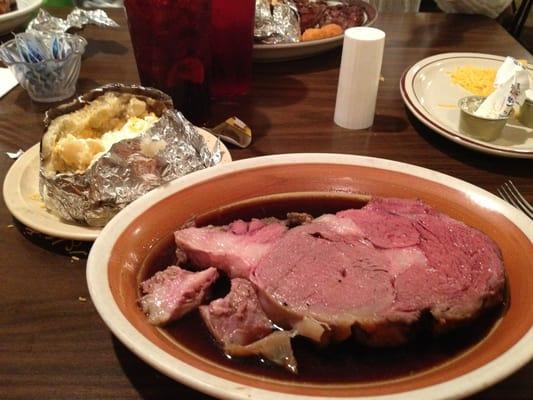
95	46
317	63
72	248
84	85
26	104
434	35
389	123
148	382
294	91
495	164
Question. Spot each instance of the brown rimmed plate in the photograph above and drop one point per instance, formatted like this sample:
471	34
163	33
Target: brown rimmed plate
429	93
120	249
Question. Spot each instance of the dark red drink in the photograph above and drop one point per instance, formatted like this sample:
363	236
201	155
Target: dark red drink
171	44
232	24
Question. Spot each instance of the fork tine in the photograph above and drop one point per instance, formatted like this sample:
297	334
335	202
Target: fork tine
502	192
517	200
521	198
506	193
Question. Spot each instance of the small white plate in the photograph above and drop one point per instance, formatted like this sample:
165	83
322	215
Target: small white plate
22	14
21	195
429	93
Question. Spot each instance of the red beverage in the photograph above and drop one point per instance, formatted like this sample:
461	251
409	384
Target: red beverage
232	27
171	44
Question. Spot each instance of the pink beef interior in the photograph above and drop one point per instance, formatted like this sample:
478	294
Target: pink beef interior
367	272
382	264
172	293
237	319
234	248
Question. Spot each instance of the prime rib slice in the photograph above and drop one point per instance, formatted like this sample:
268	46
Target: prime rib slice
173	292
237	318
370	273
373	272
240	325
234	248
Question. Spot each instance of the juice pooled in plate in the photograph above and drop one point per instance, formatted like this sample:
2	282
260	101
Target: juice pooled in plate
232	25
171	44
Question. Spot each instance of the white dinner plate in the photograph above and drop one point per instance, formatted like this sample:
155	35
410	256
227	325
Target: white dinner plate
429	93
22	14
21	195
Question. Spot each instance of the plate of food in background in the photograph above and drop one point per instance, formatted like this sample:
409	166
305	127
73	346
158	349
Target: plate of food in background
432	88
308	28
14	13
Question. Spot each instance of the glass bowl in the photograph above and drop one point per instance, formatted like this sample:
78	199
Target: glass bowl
51	79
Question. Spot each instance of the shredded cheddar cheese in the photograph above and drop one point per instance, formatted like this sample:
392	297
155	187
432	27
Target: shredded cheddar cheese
476	80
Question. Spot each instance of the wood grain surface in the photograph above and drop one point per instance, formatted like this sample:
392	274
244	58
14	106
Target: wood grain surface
53	344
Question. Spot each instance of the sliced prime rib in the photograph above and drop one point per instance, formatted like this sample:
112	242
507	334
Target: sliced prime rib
173	292
234	248
237	318
370	273
240	325
373	272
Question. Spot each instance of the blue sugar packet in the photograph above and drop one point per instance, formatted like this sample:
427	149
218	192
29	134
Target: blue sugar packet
47	65
35	47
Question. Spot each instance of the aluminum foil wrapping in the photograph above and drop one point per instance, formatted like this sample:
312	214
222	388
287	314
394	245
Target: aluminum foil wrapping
46	22
278	23
129	169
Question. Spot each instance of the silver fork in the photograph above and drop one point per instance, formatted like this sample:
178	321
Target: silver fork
512	195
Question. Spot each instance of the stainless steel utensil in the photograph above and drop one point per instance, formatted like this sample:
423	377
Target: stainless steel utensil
512	195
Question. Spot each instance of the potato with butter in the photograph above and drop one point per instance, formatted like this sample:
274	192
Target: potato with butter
79	134
75	140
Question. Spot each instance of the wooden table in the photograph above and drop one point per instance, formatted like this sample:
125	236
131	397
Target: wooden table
53	344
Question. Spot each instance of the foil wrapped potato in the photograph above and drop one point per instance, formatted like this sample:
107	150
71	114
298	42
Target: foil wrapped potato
110	146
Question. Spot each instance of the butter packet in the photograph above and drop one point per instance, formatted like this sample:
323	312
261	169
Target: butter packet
234	131
511	83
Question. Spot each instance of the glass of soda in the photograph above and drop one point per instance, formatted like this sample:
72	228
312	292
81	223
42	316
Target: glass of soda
232	28
171	44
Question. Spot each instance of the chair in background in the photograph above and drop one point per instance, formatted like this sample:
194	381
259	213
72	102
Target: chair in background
520	18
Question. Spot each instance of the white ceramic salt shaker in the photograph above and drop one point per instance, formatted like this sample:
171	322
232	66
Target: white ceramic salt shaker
362	54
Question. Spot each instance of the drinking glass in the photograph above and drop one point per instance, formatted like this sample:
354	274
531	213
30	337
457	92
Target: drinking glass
171	44
232	27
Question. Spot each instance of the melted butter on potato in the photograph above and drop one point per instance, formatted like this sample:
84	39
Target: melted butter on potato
74	141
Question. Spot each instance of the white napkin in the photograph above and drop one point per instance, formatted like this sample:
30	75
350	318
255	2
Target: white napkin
7	81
